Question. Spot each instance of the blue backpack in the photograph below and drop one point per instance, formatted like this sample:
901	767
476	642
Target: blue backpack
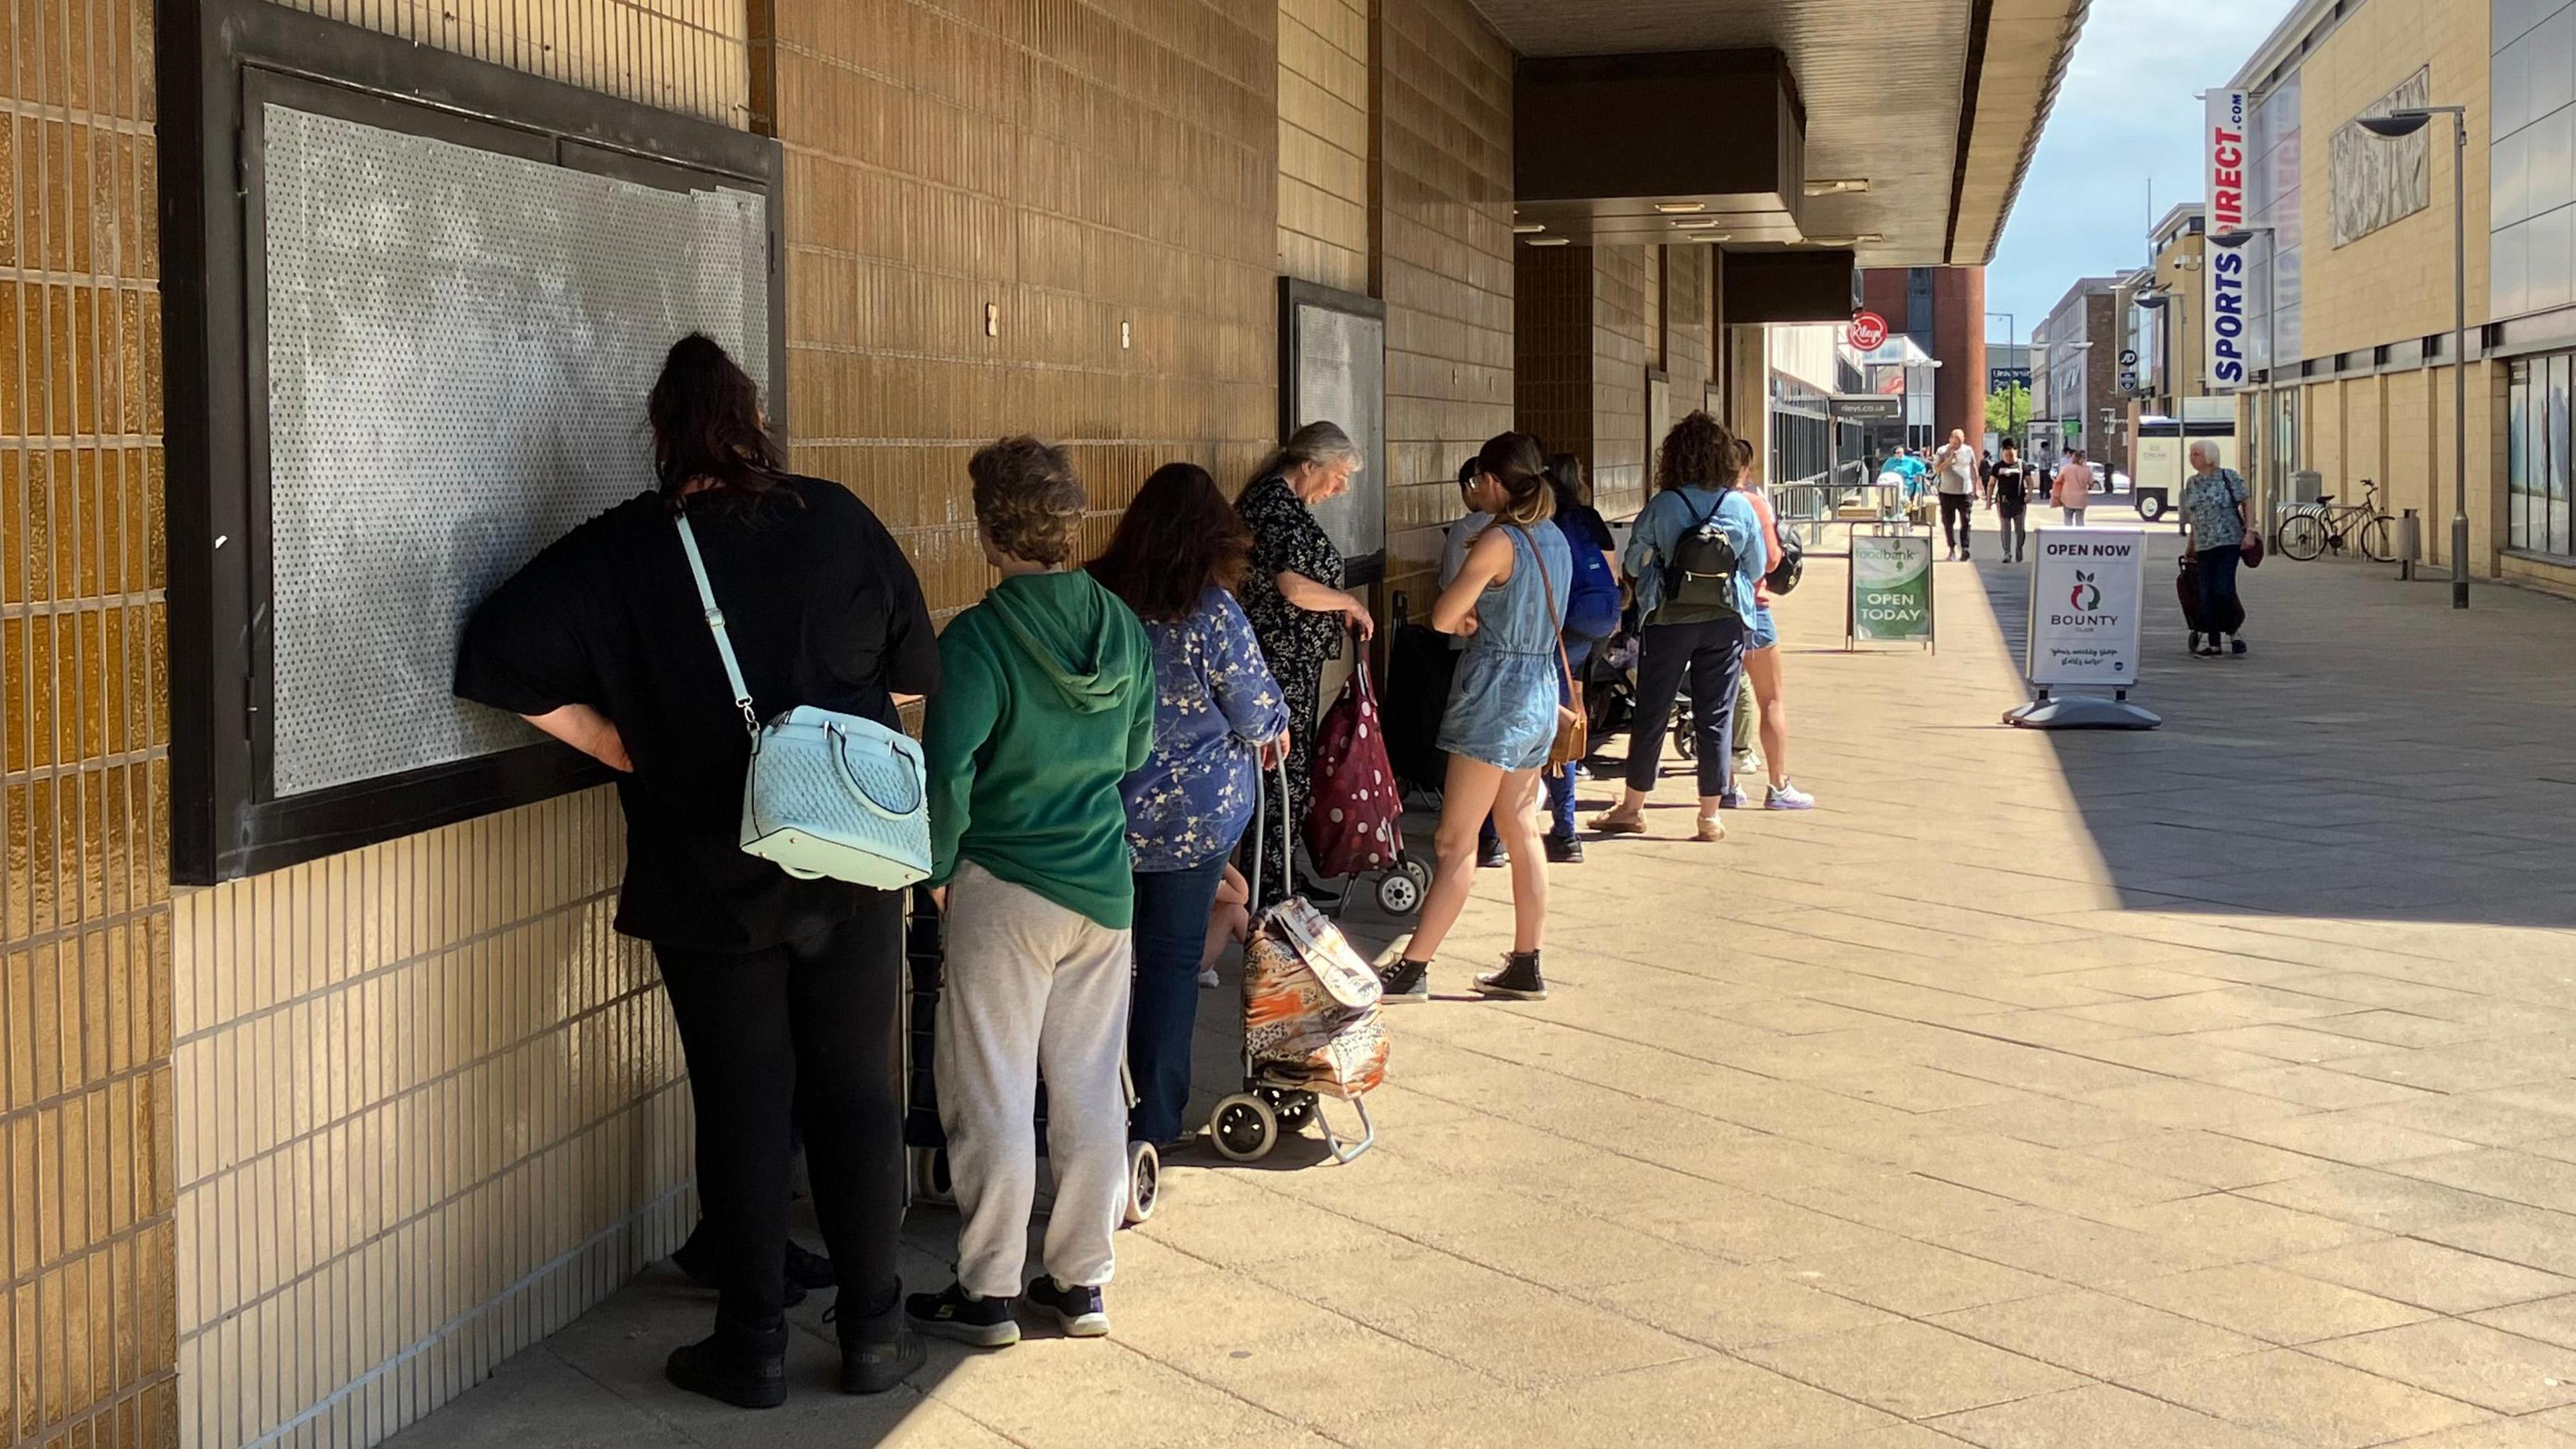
1592	601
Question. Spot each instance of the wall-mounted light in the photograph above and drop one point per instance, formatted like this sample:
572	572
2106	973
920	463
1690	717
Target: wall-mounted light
992	319
1710	236
1126	336
1838	186
1680	208
1696	223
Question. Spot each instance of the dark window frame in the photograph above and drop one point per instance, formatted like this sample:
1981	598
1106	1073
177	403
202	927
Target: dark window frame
218	62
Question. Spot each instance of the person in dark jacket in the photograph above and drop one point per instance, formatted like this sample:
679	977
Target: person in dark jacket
785	991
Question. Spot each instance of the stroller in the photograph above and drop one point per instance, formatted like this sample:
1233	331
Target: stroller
925	952
1310	1028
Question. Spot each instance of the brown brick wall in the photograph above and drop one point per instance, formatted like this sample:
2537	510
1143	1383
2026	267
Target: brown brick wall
1445	266
86	1241
1324	142
1622	349
1552	347
1074	165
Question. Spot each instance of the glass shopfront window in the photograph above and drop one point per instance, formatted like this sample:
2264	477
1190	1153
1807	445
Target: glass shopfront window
2538	507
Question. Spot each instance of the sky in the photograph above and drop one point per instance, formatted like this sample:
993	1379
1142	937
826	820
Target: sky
2124	115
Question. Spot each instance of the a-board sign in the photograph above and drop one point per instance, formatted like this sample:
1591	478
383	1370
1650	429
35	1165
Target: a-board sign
1891	586
2086	587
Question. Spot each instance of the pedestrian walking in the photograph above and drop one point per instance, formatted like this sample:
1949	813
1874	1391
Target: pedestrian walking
1178	553
786	992
1048	704
2218	522
1295	600
1762	654
1693	556
2012	502
1501	721
2073	488
1954	477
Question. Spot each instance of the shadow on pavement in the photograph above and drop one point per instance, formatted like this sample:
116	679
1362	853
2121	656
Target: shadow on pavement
2377	756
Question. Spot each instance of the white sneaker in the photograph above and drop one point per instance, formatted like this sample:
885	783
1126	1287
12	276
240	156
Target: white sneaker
1207	978
1787	796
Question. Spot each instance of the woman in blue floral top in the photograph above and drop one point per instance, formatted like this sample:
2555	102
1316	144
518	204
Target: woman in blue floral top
1218	715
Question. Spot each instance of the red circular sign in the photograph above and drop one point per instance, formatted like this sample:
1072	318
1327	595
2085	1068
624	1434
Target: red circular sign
1868	331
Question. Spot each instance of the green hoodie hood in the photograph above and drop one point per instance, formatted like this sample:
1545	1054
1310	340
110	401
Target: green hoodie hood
1068	626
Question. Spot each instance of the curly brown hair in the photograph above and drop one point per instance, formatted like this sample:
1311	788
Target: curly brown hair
1027	498
1698	453
1179	538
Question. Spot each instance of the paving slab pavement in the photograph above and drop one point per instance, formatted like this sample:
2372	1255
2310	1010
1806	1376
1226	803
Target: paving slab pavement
2207	1087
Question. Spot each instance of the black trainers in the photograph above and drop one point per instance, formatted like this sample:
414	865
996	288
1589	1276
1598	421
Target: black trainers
804	1269
807	1269
1404	982
2235	646
983	1322
1079	1310
873	1368
1491	855
1519	980
1562	849
737	1364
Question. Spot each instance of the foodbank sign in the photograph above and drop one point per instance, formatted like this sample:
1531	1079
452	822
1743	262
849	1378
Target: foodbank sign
1891	586
2084	602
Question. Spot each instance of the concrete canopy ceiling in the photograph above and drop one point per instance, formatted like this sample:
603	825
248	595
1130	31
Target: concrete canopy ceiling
1937	102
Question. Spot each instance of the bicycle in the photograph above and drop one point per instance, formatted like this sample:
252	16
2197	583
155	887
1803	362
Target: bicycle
2321	525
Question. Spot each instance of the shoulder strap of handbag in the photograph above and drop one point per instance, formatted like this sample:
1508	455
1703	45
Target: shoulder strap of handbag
716	626
1538	562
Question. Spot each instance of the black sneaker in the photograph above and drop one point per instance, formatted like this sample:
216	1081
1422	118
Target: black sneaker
804	1269
1519	980
873	1368
1563	849
983	1322
2235	646
1491	855
1404	982
807	1269
737	1364
1079	1310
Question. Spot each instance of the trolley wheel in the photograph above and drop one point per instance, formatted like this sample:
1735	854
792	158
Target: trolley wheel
928	1170
2151	506
1400	891
1293	1109
1685	738
1243	1128
2379	541
1144	1181
2302	536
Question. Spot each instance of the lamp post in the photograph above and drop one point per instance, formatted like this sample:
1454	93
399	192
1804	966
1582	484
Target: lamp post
2160	303
2268	467
2012	329
2407	122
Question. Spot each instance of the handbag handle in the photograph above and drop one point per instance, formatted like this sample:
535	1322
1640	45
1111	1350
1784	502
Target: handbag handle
1261	822
859	780
716	626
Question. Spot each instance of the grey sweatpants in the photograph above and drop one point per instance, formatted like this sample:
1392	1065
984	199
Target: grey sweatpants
1031	987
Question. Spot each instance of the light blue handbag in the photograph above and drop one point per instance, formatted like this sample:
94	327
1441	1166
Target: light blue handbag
827	794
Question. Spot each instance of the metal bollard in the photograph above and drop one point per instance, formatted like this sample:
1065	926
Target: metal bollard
2409	543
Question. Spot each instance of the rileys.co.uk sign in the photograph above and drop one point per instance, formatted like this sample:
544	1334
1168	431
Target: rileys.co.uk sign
2223	140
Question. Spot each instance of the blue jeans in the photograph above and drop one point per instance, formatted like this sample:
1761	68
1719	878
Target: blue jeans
1172	908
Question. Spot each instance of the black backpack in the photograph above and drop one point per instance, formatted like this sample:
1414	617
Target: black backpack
1791	566
1699	578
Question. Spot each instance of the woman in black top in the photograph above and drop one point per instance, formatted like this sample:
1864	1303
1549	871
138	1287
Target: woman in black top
2012	501
1295	600
786	991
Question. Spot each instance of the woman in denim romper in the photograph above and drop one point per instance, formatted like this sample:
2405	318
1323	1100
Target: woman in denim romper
1509	602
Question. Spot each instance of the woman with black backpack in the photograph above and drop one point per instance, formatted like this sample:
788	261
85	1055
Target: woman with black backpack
1694	555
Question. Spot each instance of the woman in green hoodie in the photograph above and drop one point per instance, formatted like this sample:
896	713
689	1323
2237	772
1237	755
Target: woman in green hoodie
1047	704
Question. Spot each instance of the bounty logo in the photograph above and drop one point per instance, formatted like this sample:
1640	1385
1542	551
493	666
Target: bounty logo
2086	596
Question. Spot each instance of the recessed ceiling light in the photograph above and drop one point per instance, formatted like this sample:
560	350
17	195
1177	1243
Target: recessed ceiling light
1695	223
1838	186
1680	208
1528	228
1551	241
1710	236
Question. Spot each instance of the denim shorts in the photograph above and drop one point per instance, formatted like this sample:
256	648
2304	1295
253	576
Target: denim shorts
1764	633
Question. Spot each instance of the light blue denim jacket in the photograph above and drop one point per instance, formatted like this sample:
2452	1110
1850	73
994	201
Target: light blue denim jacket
1676	511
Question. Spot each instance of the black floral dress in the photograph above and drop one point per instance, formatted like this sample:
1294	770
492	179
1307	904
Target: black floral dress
1297	642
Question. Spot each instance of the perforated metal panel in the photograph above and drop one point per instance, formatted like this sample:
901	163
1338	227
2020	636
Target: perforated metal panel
1341	378
459	348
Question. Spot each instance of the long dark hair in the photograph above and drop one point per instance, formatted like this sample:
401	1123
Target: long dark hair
705	412
1178	537
1515	462
1565	475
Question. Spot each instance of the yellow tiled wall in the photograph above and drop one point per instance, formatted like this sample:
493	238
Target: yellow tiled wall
431	1107
1324	142
681	55
85	1167
1072	167
1622	347
428	1104
1445	233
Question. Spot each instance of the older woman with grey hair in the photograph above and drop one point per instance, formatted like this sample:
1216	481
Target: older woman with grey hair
1295	600
2217	516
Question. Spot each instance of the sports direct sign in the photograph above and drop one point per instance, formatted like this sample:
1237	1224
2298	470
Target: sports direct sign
2223	139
